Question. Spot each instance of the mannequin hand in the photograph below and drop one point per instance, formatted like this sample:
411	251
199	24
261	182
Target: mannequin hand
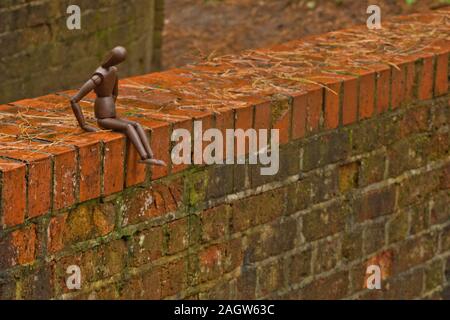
89	128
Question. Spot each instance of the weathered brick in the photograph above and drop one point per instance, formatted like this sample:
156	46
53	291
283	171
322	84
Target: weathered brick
374	237
314	102
65	169
416	188
349	176
441	77
38	176
420	218
234	254
113	164
210	263
350	101
144	203
257	209
396	286
246	283
352	245
37	284
382	98
299	116
425	77
332	105
173	278
320	223
372	169
326	149
440	208
146	286
434	275
147	246
18	247
334	286
398	76
375	203
327	255
398	226
365	138
215	222
416	251
271	240
89	179
13	193
299	266
289	164
366	95
177	236
85	222
160	144
445	241
282	116
220	181
270	278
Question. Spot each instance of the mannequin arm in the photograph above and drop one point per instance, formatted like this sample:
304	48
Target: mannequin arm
84	90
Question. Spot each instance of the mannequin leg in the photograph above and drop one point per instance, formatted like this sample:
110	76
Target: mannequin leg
142	134
128	129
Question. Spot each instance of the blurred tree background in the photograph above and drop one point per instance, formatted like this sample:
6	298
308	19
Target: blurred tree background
198	29
39	54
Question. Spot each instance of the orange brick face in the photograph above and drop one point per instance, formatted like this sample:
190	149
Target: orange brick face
350	101
332	100
13	193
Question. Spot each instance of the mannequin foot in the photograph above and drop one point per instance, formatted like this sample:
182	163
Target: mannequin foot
153	162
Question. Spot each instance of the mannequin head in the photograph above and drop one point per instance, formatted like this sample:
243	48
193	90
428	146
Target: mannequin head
115	57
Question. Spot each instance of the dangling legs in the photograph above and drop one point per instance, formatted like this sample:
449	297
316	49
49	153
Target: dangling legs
129	130
142	134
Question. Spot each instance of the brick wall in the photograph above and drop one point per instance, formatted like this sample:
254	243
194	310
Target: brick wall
363	180
40	54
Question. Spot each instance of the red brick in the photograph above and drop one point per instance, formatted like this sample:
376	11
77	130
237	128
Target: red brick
24	243
350	101
299	116
224	120
281	118
39	187
90	164
332	100
113	164
13	192
441	79
366	95
65	169
263	117
410	69
177	236
207	122
398	86
135	172
39	178
185	124
243	120
383	90
160	144
174	278
210	262
113	161
425	78
314	101
55	233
